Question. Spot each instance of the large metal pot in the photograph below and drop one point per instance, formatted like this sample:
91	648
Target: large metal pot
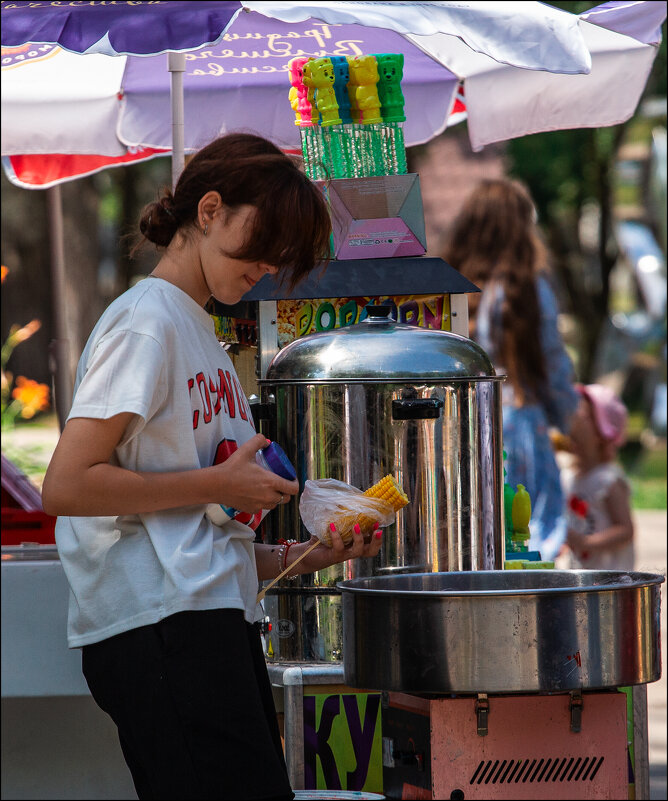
502	631
379	397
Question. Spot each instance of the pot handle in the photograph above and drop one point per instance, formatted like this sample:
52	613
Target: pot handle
379	312
417	409
264	412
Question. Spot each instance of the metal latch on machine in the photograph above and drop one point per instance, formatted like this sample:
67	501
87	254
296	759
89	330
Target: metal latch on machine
482	714
576	705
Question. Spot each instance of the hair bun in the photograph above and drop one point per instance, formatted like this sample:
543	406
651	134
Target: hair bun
158	222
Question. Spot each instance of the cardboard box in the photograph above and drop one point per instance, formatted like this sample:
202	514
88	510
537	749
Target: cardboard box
376	217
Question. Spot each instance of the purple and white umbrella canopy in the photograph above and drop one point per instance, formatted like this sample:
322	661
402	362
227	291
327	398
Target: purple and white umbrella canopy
116	29
59	102
524	67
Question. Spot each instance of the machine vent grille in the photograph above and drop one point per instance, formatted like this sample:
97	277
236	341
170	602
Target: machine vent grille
561	769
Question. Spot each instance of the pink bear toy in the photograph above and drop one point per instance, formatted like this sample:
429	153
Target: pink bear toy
306	114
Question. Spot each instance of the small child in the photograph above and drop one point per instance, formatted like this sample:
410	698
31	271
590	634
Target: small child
600	533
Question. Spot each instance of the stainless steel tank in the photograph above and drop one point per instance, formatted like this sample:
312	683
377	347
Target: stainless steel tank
380	397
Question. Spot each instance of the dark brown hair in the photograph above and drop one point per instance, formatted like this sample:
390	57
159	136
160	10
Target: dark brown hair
494	239
292	226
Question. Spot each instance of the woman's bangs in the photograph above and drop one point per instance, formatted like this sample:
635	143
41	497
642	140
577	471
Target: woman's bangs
274	242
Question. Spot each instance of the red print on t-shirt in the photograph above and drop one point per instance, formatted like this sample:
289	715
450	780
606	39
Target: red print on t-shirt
212	396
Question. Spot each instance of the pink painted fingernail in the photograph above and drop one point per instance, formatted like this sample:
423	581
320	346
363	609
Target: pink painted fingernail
356	528
379	534
332	527
376	524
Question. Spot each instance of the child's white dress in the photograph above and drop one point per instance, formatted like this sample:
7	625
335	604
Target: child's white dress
592	488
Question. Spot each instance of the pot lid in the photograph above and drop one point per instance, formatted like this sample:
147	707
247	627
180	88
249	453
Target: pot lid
380	350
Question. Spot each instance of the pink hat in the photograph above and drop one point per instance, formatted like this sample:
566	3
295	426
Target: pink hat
610	414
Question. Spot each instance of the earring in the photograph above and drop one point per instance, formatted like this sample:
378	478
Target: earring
206	229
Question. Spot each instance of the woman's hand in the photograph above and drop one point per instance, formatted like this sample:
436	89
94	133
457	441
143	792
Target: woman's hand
361	546
246	486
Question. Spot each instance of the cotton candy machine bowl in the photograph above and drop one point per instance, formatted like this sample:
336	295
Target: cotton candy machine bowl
496	631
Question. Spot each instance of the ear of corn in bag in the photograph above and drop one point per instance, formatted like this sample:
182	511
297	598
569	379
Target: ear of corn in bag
387	491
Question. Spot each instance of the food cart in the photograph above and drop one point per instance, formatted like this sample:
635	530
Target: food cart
429	672
487	683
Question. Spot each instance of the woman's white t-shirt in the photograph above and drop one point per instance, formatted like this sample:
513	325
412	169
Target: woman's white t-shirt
154	353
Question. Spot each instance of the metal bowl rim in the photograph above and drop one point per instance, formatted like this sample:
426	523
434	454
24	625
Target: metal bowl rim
413	380
642	580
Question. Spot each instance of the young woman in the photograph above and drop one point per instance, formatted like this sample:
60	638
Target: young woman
163	602
494	242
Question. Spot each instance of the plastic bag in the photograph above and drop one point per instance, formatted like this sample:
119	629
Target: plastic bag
327	500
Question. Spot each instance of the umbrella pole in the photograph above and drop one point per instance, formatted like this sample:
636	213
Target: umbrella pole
58	352
176	64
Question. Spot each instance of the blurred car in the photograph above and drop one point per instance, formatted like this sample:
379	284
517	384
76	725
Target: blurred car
638	338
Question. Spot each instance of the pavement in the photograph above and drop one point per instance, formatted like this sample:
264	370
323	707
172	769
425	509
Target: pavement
650	528
651	556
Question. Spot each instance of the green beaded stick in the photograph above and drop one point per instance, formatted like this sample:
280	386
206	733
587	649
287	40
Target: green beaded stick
390	72
319	73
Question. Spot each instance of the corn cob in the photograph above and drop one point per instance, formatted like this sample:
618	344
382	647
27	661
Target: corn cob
389	491
386	490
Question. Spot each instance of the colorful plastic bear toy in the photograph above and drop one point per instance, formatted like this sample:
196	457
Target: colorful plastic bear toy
299	94
391	72
362	90
341	78
319	74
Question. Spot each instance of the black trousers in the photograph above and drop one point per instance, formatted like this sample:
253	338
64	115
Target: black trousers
192	701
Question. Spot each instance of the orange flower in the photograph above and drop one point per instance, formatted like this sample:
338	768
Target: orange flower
3	273
19	335
32	396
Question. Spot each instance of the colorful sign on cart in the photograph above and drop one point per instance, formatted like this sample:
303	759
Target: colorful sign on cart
297	318
342	741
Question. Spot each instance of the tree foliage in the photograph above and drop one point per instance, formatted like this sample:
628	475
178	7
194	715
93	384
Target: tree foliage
566	171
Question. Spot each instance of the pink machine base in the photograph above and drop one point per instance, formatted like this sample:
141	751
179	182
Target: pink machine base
434	749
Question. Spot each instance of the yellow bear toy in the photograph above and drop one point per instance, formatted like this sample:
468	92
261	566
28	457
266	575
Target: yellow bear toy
319	74
363	91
